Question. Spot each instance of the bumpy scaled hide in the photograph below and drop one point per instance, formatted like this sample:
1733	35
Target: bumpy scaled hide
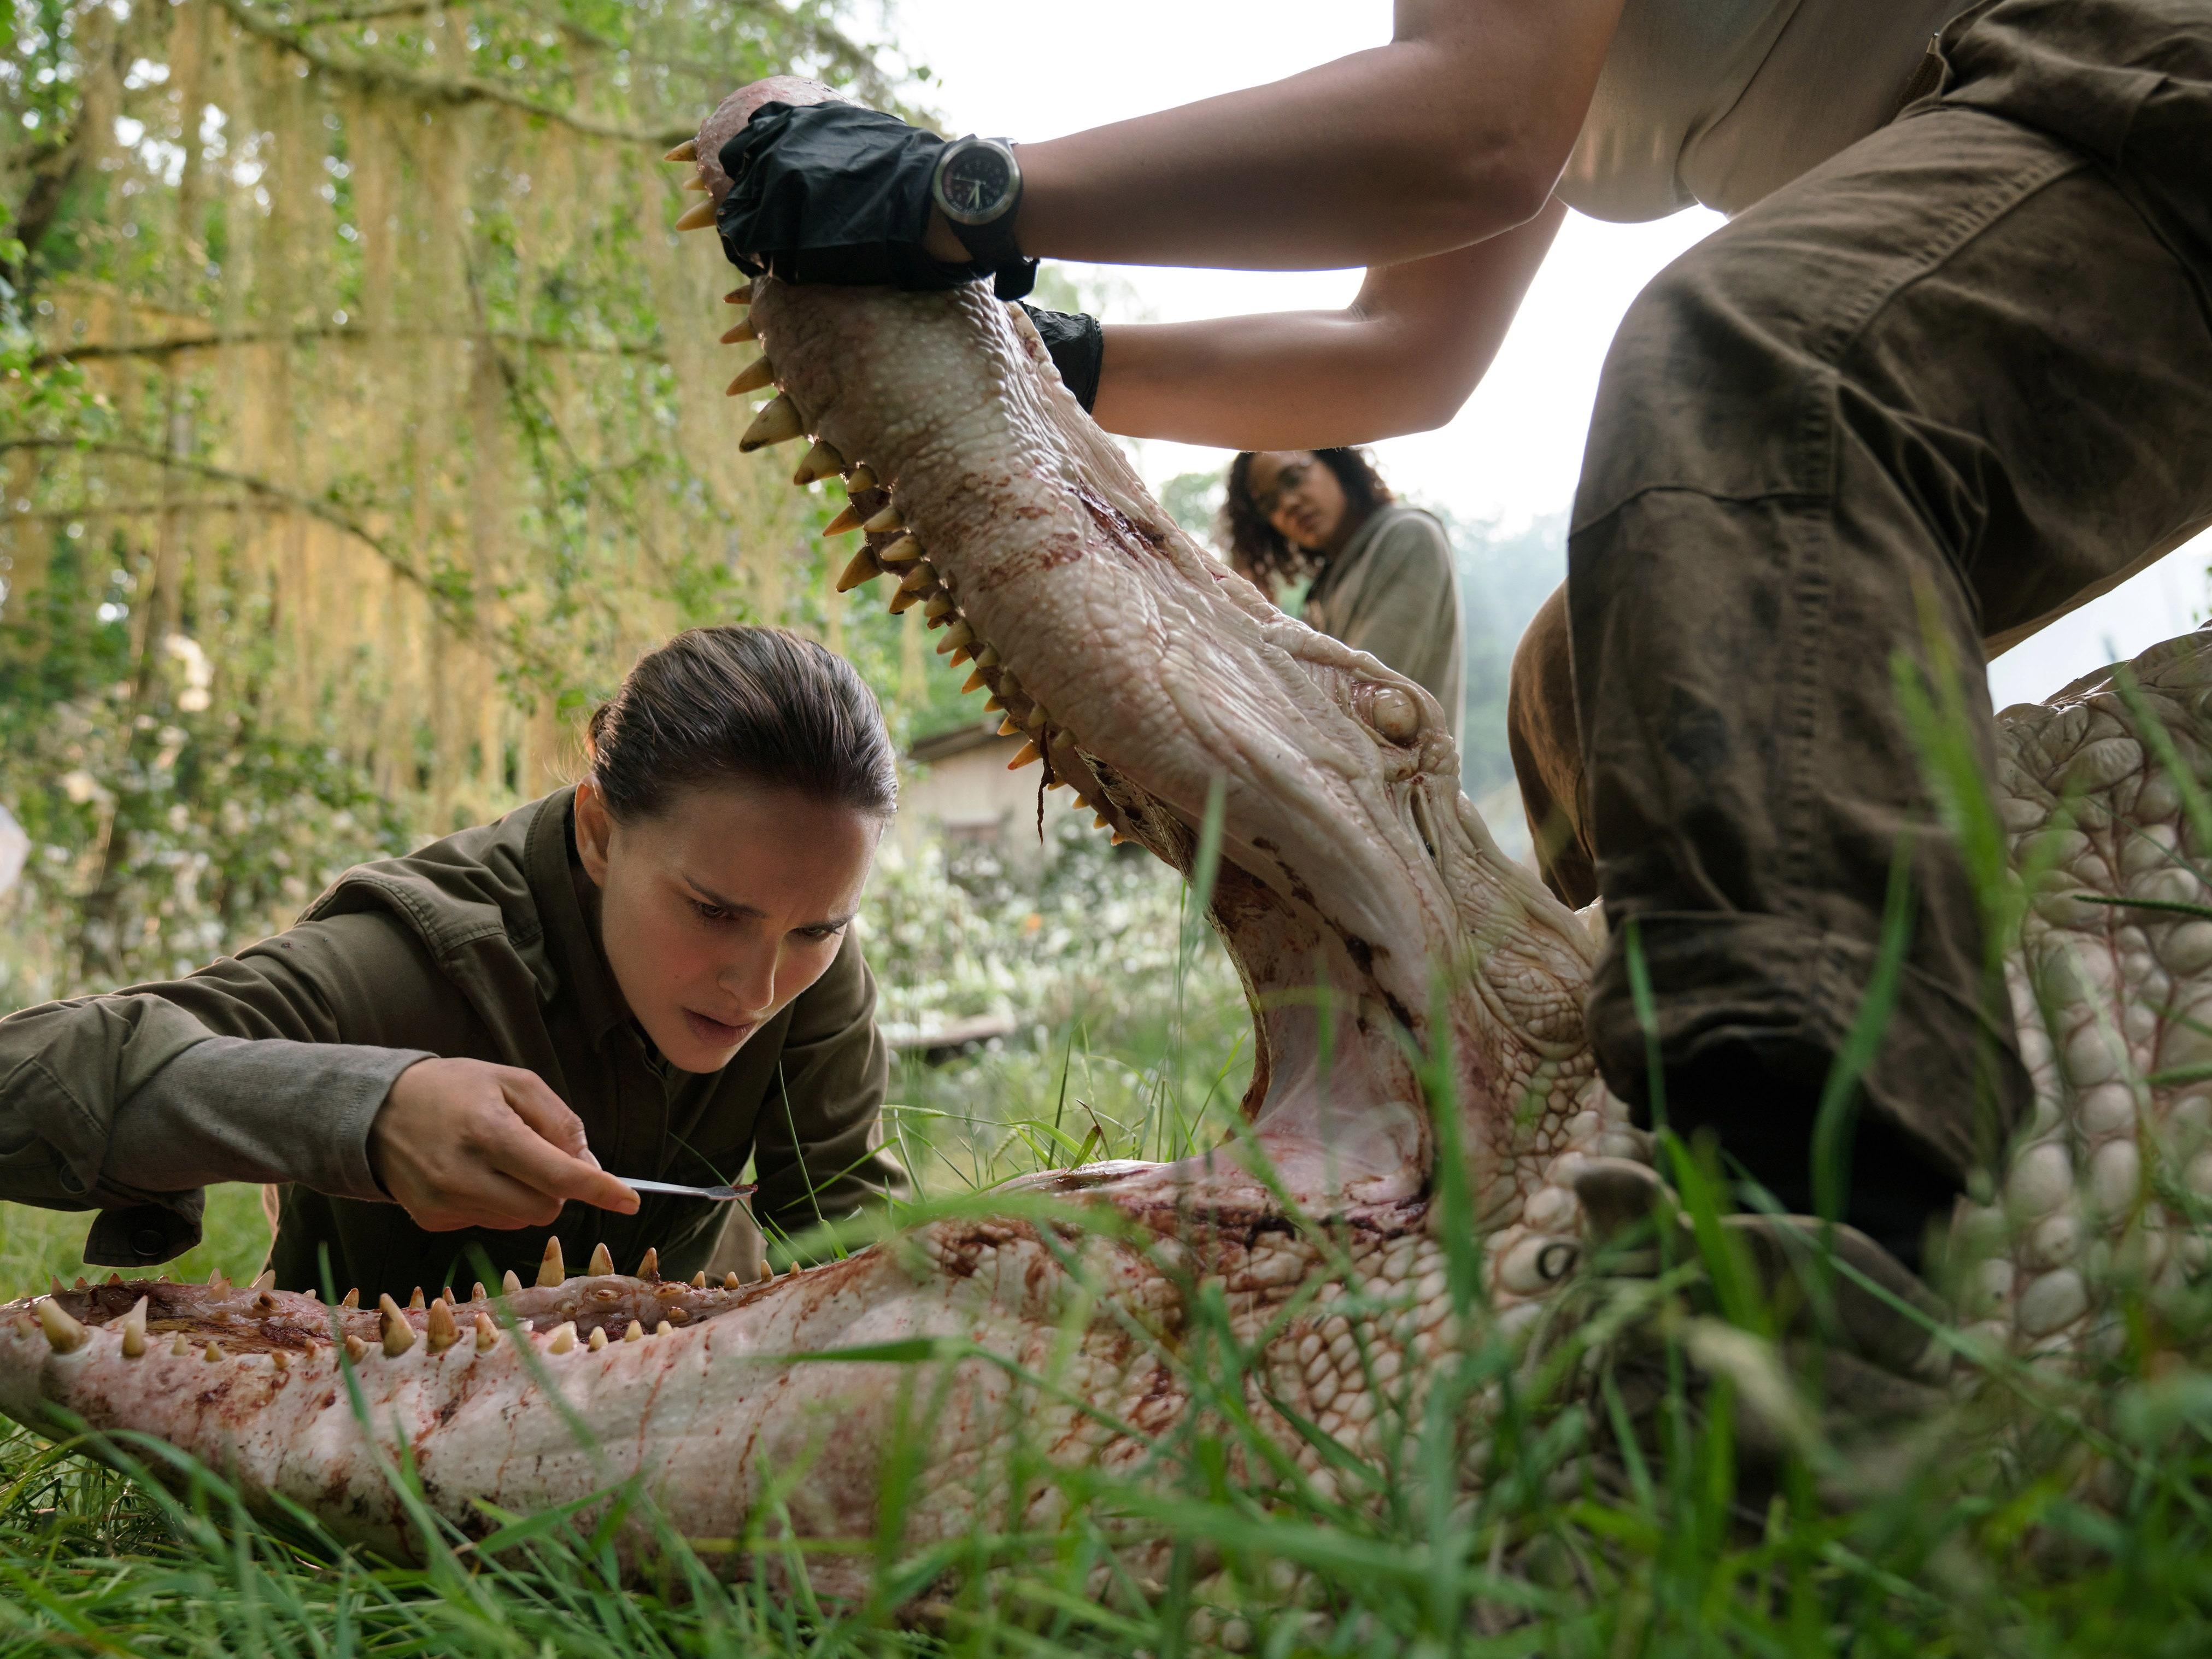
1371	915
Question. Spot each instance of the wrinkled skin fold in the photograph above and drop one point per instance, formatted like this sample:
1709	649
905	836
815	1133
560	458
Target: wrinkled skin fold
1376	928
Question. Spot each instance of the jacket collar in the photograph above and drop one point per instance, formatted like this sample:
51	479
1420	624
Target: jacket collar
567	906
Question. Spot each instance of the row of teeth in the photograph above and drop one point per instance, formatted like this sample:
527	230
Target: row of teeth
442	1330
891	550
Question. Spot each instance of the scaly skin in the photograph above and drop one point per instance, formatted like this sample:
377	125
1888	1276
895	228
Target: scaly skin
1371	915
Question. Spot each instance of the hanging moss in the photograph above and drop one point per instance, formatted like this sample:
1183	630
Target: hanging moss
355	336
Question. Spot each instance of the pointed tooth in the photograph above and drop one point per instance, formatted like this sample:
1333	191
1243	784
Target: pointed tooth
179	1346
863	477
779	422
729	1281
216	1280
564	1338
598	1340
415	1300
884	522
487	1333
117	1278
958	634
63	1334
1029	753
975	682
356	1350
752	377
280	1359
993	705
922	579
1037	720
958	656
1009	686
739	334
1100	821
510	1283
1009	728
987	658
695	184
650	1267
267	1281
551	1270
904	601
213	1352
134	1330
663	1328
941	605
767	1272
821	461
81	1283
314	1295
847	519
699	1280
904	550
398	1335
603	1261
351	1298
859	573
697	216
634	1332
441	1333
740	295
477	1291
686	151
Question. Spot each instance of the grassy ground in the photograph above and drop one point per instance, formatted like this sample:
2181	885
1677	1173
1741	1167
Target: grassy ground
1971	1538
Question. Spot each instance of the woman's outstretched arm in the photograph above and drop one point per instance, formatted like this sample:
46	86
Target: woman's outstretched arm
1403	357
1455	131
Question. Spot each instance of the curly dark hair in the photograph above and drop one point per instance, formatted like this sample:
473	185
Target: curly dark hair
1256	551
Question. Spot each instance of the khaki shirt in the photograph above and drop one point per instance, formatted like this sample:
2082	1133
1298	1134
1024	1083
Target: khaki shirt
482	946
1393	593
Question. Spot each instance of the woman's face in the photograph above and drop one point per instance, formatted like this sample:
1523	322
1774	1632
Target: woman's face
1301	498
722	909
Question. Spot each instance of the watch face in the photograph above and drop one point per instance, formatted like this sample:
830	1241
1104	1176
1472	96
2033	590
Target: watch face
975	184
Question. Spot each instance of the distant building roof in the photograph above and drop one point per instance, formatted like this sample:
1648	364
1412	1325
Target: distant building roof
943	745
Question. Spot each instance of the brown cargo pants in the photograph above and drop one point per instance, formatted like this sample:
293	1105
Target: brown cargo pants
1962	371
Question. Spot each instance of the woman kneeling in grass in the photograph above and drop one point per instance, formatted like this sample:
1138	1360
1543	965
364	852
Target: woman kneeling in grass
651	972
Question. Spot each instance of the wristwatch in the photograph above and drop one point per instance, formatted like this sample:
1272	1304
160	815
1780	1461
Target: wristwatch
977	186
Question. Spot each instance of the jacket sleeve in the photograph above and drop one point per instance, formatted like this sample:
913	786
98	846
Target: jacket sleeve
1407	613
268	1065
819	1153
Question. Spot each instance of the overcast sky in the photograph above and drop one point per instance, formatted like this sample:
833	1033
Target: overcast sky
1039	71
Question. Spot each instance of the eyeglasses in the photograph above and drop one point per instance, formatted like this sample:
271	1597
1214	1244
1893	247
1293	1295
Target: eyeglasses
1287	479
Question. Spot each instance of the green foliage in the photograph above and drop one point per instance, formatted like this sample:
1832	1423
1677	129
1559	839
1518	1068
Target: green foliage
360	422
1504	577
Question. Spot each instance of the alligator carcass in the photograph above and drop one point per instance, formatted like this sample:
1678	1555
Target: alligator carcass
1393	958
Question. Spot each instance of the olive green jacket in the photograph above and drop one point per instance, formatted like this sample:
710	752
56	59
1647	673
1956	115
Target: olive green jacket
482	946
1393	592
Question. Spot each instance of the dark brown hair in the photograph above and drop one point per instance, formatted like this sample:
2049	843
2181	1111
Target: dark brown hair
1256	551
746	705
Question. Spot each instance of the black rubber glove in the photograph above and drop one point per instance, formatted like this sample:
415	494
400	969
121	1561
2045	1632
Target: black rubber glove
1078	345
833	193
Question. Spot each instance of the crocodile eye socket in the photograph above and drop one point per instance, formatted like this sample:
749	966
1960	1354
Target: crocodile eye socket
1393	712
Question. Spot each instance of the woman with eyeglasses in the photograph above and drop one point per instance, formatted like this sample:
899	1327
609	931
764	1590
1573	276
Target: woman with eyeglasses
1379	573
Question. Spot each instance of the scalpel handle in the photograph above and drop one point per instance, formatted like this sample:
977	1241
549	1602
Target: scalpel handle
719	1195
